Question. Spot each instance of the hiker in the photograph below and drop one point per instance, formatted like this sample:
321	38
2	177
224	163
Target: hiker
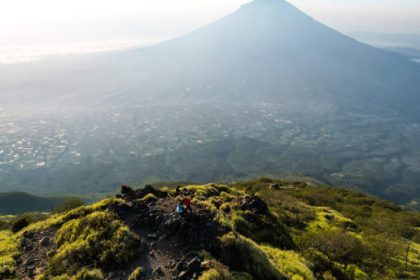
178	190
187	204
180	207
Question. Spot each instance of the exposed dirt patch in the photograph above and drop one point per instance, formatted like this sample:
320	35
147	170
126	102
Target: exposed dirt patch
34	253
174	240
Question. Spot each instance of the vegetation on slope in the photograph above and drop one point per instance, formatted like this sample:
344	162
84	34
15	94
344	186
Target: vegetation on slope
259	229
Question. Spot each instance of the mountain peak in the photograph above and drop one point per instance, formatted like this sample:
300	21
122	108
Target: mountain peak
271	3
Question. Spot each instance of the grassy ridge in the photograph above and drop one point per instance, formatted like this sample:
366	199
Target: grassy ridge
277	230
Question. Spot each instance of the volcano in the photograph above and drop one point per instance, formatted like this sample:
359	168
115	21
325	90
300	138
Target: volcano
269	51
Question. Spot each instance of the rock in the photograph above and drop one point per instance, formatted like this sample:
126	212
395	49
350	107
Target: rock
128	193
275	187
329	217
44	241
194	266
150	189
255	204
28	234
181	266
27	262
121	209
126	190
152	236
183	275
38	270
158	272
172	225
31	267
350	225
27	248
206	265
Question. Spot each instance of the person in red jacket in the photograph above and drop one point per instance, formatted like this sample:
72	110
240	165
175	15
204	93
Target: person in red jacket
187	204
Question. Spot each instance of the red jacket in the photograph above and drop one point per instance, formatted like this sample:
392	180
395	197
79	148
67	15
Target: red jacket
187	201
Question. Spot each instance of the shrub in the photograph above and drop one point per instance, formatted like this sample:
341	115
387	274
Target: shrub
262	228
19	223
87	274
165	189
83	274
137	274
23	220
9	250
68	205
98	238
337	246
224	274
289	263
4	225
149	198
381	255
252	259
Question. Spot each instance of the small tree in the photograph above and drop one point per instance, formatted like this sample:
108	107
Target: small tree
19	223
337	246
381	253
68	205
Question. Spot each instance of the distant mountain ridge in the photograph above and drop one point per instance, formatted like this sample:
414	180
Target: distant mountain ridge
270	51
19	202
267	51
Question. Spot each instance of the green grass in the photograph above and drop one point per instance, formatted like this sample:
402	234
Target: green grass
96	239
289	263
137	274
328	232
224	274
329	219
9	250
60	219
243	254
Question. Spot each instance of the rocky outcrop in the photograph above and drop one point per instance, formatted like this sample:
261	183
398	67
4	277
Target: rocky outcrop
255	204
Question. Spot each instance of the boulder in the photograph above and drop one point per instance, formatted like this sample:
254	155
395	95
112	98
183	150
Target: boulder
194	266
126	190
255	204
275	187
183	275
158	272
150	189
45	241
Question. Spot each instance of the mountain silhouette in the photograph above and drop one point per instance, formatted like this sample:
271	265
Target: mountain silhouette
267	51
270	51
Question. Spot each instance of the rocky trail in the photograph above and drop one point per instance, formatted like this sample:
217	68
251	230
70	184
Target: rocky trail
34	257
172	242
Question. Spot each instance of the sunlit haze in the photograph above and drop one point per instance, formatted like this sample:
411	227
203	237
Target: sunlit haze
27	27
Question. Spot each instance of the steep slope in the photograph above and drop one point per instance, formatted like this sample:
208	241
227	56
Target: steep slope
261	229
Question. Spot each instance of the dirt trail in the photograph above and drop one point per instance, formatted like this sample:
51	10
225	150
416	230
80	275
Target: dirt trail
34	253
172	240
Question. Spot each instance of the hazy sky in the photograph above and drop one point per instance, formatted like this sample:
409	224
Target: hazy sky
55	22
